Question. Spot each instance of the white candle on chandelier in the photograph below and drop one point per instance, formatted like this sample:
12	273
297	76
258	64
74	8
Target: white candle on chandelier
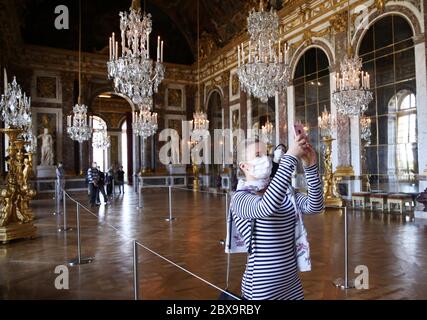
368	80
148	45
113	43
69	121
243	54
5	81
111	49
238	56
158	49
162	53
250	52
117	50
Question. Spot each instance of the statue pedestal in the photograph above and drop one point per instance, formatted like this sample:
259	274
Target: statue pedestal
16	231
46	172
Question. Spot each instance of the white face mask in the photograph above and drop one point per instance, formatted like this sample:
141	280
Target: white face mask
278	154
261	167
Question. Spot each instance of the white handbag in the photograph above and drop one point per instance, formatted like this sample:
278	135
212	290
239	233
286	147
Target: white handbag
302	246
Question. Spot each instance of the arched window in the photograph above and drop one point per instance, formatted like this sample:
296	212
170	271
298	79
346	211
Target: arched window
387	50
312	92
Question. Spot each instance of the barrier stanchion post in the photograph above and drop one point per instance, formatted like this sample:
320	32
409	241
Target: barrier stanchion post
346	283
170	219
222	241
57	200
139	197
79	260
114	189
135	271
65	228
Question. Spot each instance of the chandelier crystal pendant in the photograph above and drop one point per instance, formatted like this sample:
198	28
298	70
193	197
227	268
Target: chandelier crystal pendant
263	70
79	125
133	72
15	106
351	85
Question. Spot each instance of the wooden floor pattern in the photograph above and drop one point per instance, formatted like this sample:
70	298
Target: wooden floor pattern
393	247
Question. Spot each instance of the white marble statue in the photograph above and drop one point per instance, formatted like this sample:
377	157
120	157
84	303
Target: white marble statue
47	156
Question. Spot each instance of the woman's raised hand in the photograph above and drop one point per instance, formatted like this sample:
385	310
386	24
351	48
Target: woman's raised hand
298	149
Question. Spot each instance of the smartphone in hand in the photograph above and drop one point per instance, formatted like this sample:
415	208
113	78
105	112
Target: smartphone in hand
298	129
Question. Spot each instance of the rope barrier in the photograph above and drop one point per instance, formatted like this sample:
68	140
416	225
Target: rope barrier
136	290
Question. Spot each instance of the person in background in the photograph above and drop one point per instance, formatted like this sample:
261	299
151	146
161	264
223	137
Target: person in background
109	178
101	189
60	180
121	179
93	177
278	153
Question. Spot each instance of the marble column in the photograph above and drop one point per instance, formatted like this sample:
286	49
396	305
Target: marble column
282	119
421	101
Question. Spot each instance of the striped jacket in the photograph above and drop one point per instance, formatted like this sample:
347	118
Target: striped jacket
93	175
271	271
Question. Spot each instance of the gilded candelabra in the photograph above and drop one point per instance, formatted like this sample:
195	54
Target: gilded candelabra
330	180
15	215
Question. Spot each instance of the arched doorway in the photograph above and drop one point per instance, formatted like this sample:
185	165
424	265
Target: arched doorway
216	121
116	112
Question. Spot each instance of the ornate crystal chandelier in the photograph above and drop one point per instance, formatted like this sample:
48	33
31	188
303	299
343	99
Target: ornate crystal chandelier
145	123
15	106
264	71
351	92
200	123
267	132
100	139
134	73
78	127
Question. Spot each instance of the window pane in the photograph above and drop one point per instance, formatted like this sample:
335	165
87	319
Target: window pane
311	90
324	89
384	70
402	29
310	61
299	95
383	32
387	129
371	159
386	160
367	44
386	101
405	64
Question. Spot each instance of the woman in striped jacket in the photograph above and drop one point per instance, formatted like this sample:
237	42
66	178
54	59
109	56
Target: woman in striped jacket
271	271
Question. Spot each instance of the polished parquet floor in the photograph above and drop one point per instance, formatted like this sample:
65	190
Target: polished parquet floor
393	247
